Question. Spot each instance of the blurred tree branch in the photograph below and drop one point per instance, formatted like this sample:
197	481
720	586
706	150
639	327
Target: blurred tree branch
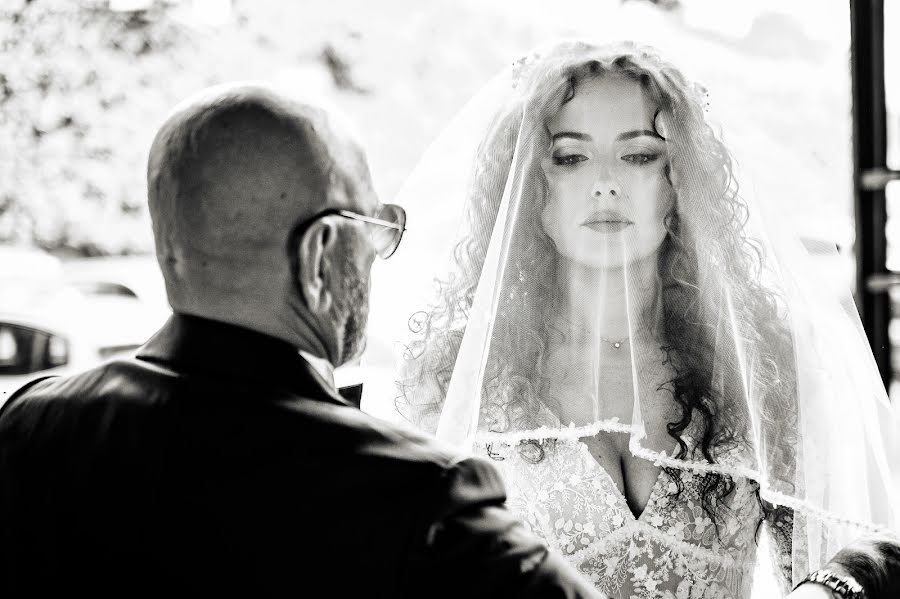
68	156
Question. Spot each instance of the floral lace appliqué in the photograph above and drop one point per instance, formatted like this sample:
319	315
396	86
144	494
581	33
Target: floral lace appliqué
671	551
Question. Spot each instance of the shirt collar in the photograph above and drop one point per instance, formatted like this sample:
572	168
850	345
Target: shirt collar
322	367
194	345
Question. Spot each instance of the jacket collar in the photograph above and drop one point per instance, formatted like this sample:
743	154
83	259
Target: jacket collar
200	346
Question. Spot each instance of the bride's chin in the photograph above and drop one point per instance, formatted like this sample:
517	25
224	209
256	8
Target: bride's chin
611	261
614	263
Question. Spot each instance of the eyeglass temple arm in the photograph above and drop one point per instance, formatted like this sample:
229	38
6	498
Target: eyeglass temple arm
374	221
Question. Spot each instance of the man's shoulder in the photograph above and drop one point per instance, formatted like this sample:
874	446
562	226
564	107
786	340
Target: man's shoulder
138	388
112	383
391	441
443	477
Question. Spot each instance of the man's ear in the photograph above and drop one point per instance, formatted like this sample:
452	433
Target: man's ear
314	272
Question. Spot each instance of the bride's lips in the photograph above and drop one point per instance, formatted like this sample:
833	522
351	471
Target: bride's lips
607	221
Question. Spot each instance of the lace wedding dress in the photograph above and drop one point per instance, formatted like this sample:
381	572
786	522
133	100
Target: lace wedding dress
671	551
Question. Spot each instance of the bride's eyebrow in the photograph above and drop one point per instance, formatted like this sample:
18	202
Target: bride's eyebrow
621	137
572	135
637	133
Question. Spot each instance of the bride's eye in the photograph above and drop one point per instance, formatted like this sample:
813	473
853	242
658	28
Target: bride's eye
640	158
568	159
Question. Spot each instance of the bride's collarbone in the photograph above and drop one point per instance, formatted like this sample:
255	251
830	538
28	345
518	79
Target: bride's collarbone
577	356
574	362
584	398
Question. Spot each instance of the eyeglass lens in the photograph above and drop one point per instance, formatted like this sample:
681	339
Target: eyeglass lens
387	239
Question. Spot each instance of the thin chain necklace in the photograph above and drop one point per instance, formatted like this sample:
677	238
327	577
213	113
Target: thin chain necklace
616	343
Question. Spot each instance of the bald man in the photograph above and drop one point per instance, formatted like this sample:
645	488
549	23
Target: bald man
222	461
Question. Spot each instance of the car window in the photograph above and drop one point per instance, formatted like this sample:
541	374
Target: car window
24	350
104	288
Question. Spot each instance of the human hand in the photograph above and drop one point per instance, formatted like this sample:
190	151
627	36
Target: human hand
812	590
873	562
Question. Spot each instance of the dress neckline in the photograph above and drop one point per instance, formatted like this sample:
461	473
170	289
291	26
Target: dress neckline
620	496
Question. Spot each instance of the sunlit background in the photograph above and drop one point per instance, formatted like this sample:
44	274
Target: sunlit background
84	85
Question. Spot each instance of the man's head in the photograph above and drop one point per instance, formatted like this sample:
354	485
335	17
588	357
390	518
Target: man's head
231	174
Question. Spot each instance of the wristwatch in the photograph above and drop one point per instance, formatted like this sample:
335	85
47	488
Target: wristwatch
845	586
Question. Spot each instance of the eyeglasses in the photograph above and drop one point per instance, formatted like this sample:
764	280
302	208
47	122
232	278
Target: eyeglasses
386	231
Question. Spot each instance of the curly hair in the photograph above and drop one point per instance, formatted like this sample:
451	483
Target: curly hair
700	281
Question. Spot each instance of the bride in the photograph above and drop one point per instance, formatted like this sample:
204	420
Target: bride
648	360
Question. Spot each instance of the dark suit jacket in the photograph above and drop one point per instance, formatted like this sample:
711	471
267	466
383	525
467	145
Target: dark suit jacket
218	463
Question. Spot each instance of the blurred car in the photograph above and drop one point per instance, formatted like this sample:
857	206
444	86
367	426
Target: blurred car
134	277
48	328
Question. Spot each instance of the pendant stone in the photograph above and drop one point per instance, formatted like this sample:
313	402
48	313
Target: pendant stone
617	344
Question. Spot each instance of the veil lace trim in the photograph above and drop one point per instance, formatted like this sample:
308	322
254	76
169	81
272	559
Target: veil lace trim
729	466
546	433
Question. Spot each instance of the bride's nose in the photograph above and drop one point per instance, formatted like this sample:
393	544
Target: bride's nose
606	184
606	187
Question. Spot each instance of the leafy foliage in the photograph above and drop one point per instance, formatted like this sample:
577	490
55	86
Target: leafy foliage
70	93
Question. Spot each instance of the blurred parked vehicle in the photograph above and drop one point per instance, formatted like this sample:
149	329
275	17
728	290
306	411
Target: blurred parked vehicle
52	329
135	277
59	320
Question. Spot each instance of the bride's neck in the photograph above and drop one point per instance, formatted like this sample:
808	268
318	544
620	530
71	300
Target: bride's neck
614	304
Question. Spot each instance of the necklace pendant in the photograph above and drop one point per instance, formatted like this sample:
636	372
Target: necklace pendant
617	344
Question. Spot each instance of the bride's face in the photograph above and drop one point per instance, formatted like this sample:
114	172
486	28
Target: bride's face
608	193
